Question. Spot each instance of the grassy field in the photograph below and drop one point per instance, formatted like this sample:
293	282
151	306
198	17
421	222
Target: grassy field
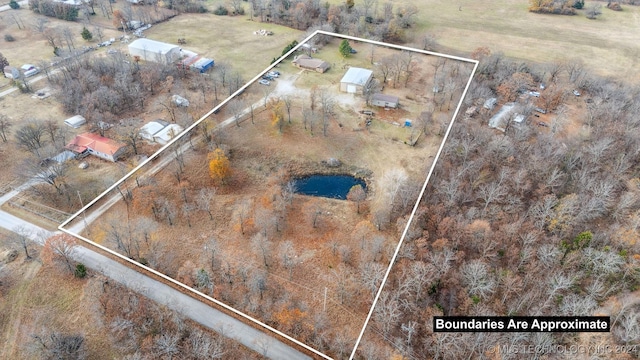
227	39
608	45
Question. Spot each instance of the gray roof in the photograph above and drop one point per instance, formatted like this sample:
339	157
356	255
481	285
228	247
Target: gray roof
152	46
358	76
385	98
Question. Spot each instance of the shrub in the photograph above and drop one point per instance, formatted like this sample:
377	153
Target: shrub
14	4
578	4
81	271
221	10
9	38
615	6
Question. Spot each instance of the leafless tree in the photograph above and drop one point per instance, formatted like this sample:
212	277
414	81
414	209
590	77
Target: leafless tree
288	256
203	201
30	136
5	127
477	278
21	236
60	346
263	247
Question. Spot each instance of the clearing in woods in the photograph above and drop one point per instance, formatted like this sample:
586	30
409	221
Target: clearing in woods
307	266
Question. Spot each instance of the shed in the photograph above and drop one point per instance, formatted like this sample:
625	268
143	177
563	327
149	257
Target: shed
309	63
167	133
490	103
151	128
11	72
75	121
501	118
202	65
355	80
382	100
155	51
94	144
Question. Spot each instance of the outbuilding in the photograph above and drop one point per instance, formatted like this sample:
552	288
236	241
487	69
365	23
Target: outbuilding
387	101
154	51
75	121
169	132
355	80
151	128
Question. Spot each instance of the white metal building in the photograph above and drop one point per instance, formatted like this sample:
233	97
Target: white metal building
75	121
355	80
155	51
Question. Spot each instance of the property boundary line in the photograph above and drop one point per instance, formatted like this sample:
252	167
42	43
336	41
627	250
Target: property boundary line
413	212
188	289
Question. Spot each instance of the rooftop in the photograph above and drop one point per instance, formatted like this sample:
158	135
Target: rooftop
358	76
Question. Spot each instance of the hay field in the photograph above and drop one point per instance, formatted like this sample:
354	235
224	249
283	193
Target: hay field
227	39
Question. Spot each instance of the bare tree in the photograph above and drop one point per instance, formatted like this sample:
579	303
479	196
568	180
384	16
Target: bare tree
263	247
203	201
30	136
21	236
5	127
235	108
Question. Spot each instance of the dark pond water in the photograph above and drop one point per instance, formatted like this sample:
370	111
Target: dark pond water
330	186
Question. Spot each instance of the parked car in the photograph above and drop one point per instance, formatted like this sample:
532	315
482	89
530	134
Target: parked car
576	93
29	70
267	77
353	51
534	93
273	74
264	82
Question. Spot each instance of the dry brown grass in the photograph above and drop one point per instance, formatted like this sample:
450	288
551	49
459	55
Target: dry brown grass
42	300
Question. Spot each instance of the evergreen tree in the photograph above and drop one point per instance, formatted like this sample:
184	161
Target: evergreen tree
345	48
86	34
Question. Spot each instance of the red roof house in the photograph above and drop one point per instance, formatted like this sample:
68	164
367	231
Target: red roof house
94	144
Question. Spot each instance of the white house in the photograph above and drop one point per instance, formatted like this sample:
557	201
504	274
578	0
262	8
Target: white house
169	132
155	51
355	80
151	128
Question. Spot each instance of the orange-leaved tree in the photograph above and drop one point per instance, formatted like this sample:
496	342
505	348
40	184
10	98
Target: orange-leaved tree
277	114
219	165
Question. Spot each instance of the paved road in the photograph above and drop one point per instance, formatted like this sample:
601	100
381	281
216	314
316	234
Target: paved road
163	294
188	306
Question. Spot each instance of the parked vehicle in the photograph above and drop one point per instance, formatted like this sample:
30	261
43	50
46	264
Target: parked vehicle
576	93
264	82
273	74
29	70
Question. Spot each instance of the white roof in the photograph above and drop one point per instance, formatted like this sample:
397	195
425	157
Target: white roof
152	46
151	128
75	121
358	76
169	132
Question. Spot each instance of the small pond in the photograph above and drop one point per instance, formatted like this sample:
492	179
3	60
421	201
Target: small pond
330	186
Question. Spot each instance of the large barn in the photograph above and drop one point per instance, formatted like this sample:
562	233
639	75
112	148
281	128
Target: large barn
355	80
155	51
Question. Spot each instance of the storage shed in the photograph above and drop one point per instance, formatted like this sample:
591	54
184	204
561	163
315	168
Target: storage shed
355	80
155	51
387	101
75	121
